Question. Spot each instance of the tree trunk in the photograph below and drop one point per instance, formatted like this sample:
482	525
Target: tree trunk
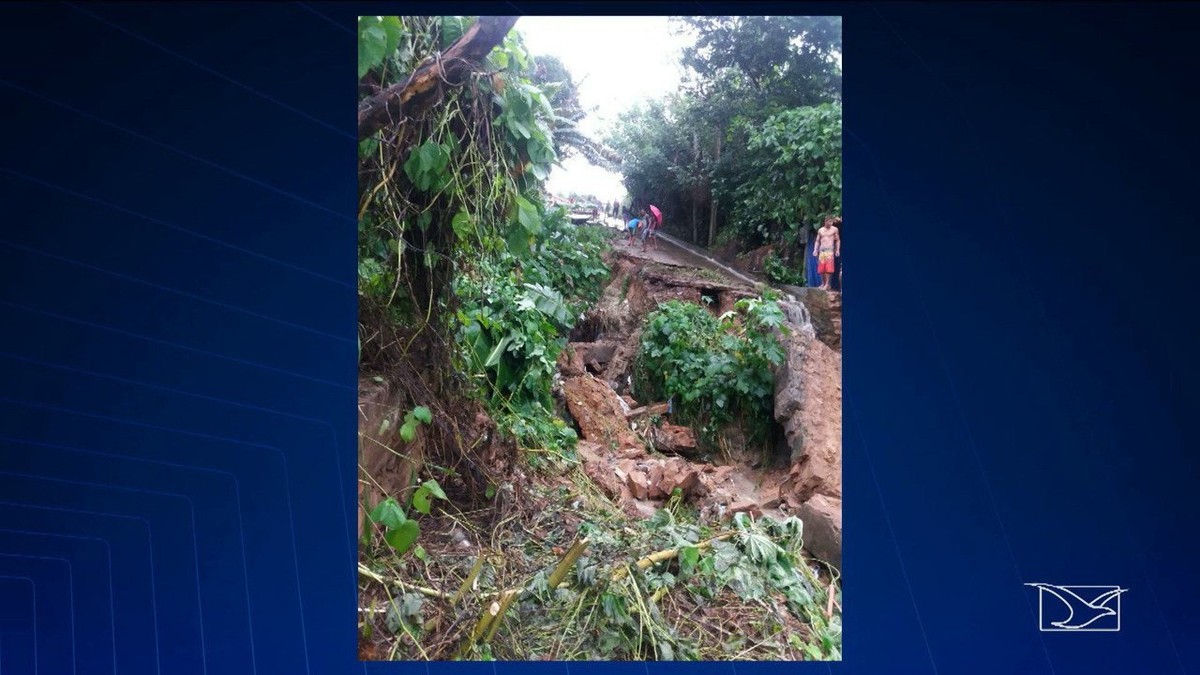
695	190
424	87
712	215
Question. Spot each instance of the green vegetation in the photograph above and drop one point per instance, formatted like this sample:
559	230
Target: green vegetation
517	311
665	588
400	530
717	370
461	265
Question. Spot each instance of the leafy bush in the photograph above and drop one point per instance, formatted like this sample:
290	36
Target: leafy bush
401	529
793	176
780	271
516	313
716	369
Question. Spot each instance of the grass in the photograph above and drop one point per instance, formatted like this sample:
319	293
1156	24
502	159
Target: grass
658	589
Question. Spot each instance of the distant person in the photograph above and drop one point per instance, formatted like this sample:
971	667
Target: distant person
827	248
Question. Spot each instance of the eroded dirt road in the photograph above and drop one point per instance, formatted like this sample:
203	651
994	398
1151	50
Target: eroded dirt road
639	463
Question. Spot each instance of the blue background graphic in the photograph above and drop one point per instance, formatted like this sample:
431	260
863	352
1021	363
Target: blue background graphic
178	354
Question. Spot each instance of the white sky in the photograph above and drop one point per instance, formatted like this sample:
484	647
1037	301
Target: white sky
615	61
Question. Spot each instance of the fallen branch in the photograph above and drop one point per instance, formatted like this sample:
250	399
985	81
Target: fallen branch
428	592
493	615
505	602
694	282
469	581
568	560
656	409
662	556
424	86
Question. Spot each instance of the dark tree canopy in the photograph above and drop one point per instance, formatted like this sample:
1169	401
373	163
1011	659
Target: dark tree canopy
781	61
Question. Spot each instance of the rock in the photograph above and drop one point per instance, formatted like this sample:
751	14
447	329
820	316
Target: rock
600	471
637	452
678	473
790	499
570	363
657	490
825	312
597	410
744	506
588	451
808	405
595	354
822	517
674	439
639	484
621	363
640	509
625	467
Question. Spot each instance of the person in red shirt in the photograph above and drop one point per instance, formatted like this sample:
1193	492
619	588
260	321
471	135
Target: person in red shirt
654	221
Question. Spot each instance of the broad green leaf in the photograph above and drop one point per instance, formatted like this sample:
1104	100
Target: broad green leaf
689	556
388	513
372	48
413	168
494	357
461	224
367	146
421	500
453	28
527	214
434	488
422	413
408	431
518	128
402	537
394	29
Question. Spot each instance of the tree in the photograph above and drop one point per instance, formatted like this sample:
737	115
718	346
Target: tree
785	61
552	76
416	93
721	150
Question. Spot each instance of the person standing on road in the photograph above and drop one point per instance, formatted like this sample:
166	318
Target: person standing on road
827	248
654	222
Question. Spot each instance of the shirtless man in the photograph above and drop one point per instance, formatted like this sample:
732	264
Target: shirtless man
827	247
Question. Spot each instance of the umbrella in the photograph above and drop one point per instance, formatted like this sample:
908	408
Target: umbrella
656	212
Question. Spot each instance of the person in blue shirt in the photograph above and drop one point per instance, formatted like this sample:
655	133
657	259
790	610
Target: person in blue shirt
631	229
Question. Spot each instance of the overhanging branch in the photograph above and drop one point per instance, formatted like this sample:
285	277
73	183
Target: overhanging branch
424	86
